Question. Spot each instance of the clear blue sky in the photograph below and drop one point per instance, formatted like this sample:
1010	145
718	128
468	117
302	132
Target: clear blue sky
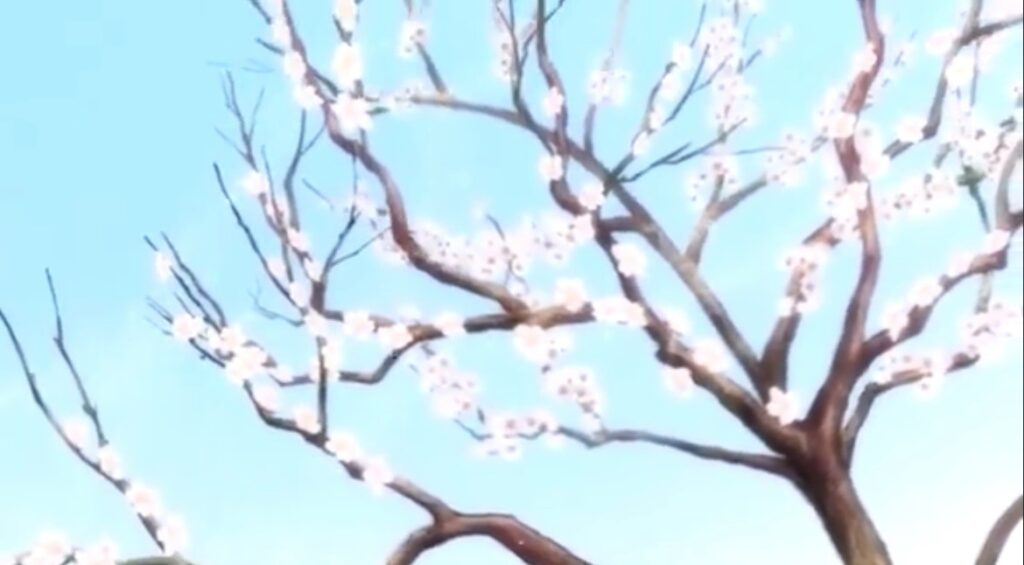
107	120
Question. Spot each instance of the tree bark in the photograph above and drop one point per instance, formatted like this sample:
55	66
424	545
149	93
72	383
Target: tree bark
526	543
830	490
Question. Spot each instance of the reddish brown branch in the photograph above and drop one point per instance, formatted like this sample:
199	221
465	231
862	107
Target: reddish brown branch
830	402
524	542
872	392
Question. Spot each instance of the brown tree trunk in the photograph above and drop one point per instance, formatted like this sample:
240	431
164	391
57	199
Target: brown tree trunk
829	488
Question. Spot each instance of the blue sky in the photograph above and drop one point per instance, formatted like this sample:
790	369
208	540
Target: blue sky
107	130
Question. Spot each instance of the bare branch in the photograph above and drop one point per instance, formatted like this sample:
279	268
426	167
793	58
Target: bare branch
997	537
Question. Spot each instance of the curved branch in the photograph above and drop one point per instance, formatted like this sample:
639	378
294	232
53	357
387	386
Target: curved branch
1000	532
518	538
761	462
830	402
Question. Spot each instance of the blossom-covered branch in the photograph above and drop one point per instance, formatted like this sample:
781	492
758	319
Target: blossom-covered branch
167	531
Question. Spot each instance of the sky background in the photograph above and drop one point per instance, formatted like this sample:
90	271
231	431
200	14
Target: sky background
107	134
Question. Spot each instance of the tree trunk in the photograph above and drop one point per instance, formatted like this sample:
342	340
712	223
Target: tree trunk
829	488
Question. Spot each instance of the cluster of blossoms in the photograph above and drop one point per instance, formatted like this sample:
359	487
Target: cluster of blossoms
782	405
784	166
804	263
453	393
539	345
505	432
619	310
980	146
985	332
144	500
579	386
843	202
720	167
374	469
244	360
927	368
678	381
53	548
412	35
921	196
502	40
351	110
490	255
732	98
608	86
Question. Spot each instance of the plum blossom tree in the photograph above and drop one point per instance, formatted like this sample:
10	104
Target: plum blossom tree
598	210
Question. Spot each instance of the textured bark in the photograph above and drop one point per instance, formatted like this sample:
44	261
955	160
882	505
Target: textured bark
524	542
829	488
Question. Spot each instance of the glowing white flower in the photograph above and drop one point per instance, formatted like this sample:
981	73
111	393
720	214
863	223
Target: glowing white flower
306	419
50	547
394	337
895	320
412	34
347	12
315	324
306	96
347	64
232	338
450	324
343	446
678	380
110	462
255	183
911	129
533	342
163	266
298	240
710	354
784	406
185	327
266	397
144	500
571	293
358	324
551	168
959	264
377	473
641	143
352	113
842	125
959	71
247	361
682	56
294	65
941	41
925	292
996	241
553	102
172	534
629	259
282	374
591	196
103	553
280	33
677	321
76	430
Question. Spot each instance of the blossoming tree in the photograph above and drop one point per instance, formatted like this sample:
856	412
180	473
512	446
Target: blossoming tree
598	209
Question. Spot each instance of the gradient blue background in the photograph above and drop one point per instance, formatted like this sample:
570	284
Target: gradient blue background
107	113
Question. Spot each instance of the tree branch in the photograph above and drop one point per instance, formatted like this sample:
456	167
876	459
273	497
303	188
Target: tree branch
1000	533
